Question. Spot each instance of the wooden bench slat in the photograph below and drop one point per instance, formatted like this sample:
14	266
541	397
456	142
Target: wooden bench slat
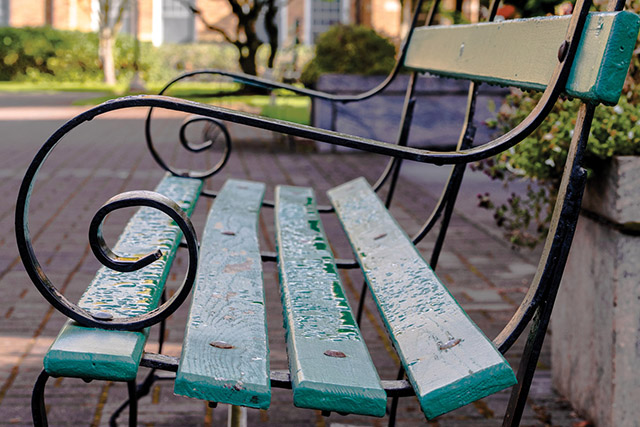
115	355
318	319
225	355
448	360
531	46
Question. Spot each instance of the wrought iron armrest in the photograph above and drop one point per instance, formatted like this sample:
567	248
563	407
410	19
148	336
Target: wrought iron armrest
104	254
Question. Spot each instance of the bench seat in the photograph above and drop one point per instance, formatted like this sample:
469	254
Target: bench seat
91	353
225	356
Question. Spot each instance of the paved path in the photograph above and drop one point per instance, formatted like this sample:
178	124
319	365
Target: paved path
109	156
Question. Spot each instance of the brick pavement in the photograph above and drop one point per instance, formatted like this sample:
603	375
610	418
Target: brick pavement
106	157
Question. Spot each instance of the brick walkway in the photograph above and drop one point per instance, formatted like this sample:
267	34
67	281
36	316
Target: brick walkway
106	157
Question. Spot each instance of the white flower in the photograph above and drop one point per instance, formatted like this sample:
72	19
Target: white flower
618	109
550	162
548	136
630	134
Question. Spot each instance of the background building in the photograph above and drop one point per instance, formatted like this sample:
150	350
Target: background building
169	21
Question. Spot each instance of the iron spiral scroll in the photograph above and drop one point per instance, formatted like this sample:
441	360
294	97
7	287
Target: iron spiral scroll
213	131
103	253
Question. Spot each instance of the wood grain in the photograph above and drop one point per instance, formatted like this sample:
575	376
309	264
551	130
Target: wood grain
524	53
448	360
115	355
225	355
330	366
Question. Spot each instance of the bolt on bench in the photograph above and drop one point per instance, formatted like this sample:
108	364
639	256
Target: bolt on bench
447	360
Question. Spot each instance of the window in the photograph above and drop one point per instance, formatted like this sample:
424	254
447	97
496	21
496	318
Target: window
4	13
177	22
322	14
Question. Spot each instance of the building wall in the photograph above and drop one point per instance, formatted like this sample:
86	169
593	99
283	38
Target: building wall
218	13
145	20
382	15
386	16
26	13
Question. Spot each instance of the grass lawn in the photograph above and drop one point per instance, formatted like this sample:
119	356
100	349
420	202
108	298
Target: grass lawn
285	106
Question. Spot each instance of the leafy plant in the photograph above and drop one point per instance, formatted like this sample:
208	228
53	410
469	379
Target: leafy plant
540	158
46	54
350	49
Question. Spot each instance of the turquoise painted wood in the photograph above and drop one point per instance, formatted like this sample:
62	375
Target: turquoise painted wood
115	355
225	355
524	53
448	360
330	366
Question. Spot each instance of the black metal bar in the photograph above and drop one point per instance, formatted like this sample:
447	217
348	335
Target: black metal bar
395	400
346	264
560	233
565	218
279	378
103	253
270	203
194	148
133	403
393	167
394	164
38	409
361	300
163	324
455	179
271	85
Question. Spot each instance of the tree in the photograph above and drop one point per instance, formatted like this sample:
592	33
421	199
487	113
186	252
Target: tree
110	15
246	38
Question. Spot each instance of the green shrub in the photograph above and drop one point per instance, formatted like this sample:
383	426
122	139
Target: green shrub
46	54
350	49
540	158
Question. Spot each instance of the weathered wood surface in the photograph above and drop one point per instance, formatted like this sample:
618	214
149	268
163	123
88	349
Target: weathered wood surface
115	355
448	360
225	355
524	53
330	366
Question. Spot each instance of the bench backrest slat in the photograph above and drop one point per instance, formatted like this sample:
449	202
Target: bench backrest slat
330	365
524	53
448	360
225	354
115	355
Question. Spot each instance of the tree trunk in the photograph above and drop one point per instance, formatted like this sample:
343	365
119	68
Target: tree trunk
106	56
272	30
248	61
407	9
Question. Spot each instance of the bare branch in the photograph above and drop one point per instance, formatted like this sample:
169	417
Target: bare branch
198	13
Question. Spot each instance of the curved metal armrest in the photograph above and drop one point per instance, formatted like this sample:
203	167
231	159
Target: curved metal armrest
270	84
502	143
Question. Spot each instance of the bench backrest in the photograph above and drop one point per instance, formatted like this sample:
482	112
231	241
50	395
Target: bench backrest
524	53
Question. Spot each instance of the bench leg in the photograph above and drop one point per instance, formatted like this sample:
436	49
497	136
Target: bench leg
237	416
137	392
527	367
394	401
38	410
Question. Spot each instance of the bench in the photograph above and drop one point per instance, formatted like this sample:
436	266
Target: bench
447	359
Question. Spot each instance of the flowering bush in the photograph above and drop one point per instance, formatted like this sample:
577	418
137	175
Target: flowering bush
540	158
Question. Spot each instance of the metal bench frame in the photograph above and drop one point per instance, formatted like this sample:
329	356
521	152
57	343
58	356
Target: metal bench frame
534	311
